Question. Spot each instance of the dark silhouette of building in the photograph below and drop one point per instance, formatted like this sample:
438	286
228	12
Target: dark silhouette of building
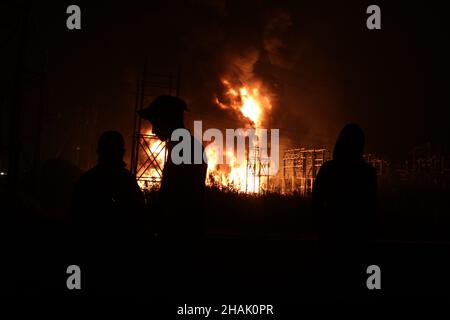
180	205
344	193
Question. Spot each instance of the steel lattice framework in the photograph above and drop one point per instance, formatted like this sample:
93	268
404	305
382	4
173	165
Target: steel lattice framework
300	168
148	153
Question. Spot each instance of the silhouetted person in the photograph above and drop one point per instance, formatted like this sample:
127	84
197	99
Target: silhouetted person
107	197
183	185
344	202
344	193
108	223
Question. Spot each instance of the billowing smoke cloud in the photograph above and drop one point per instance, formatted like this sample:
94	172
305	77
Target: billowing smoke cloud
246	60
277	27
242	65
248	43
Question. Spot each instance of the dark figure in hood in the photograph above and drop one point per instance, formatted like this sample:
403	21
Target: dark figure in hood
344	193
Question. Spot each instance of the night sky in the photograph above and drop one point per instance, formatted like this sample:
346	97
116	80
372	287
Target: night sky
323	66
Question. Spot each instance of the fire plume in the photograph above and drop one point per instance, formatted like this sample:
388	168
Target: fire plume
251	105
247	100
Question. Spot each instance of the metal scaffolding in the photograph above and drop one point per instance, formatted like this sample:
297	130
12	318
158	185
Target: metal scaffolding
148	154
150	161
300	168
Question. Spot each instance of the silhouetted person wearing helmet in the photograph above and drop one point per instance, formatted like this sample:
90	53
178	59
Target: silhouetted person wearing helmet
344	193
107	199
183	185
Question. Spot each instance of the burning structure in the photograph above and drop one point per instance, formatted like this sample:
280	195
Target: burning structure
252	174
250	101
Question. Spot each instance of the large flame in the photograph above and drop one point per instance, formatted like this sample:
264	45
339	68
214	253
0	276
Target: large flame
247	100
252	106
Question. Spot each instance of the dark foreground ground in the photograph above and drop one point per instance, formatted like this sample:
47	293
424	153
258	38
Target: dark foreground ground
260	248
229	269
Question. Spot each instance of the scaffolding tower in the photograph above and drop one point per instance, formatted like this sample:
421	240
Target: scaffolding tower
300	168
149	154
